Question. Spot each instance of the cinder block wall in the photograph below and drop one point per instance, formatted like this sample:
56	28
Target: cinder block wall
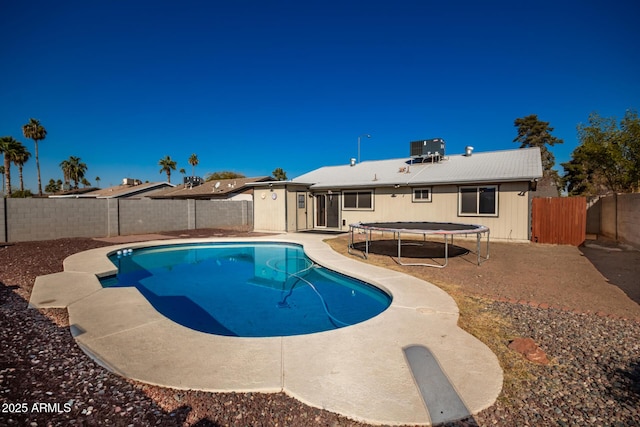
151	216
224	214
629	218
594	206
608	214
46	219
620	218
3	220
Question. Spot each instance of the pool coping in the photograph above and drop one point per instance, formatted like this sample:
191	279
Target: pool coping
361	371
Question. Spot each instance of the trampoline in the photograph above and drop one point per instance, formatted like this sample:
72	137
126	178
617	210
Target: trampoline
445	229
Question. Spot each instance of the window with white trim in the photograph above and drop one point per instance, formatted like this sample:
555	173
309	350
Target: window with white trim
478	201
421	195
357	200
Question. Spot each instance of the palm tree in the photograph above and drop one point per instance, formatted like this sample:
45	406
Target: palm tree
66	167
73	169
53	186
77	171
193	161
85	182
22	156
167	166
2	173
9	147
34	130
97	181
183	172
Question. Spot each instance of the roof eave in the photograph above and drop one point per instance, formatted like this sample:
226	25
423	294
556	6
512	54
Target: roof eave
418	183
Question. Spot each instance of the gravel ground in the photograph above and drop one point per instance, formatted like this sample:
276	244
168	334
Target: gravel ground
45	379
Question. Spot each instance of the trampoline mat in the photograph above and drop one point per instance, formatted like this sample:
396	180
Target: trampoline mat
411	248
426	226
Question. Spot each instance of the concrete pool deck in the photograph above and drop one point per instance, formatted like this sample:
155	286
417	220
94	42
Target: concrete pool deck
411	364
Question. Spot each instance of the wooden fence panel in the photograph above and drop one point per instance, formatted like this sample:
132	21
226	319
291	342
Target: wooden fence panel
559	220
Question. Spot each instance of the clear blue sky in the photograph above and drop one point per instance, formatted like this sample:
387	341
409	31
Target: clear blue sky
250	86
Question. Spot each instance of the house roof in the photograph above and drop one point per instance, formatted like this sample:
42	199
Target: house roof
127	190
221	188
485	167
73	192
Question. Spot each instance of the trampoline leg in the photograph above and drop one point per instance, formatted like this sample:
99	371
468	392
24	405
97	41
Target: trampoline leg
350	246
446	249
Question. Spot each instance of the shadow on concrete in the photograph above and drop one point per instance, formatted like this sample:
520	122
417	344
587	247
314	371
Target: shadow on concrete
620	266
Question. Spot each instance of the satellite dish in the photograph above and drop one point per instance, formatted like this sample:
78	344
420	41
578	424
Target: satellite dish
217	185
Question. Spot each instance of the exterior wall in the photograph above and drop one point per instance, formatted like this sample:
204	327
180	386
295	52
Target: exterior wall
270	214
3	220
608	217
290	206
594	206
512	222
149	215
619	216
223	214
45	219
629	218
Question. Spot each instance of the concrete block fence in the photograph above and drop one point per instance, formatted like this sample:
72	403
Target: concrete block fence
46	219
616	216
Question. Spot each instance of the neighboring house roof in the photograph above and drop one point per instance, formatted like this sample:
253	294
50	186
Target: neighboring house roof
489	167
215	189
125	190
74	192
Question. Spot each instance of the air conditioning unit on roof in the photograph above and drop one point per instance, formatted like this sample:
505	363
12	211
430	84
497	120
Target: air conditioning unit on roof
427	148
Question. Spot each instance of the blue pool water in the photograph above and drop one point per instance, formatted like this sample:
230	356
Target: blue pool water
246	289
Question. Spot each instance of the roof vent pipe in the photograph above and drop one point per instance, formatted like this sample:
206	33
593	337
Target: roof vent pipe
352	161
468	150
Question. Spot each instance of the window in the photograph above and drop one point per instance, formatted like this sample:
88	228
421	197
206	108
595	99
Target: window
421	195
301	201
478	201
358	200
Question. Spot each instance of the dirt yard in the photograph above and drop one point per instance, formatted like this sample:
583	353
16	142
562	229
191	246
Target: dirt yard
592	380
596	278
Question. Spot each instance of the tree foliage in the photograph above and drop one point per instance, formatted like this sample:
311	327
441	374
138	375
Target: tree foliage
193	161
608	157
22	194
532	132
9	148
279	174
22	156
73	169
53	186
167	165
223	175
34	130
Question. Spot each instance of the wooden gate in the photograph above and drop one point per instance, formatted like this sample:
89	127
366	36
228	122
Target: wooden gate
559	220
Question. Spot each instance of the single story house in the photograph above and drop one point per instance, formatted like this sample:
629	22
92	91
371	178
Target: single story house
488	188
223	189
130	188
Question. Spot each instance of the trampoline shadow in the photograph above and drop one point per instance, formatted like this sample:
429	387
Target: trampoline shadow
411	248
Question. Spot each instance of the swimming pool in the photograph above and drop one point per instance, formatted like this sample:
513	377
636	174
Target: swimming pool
245	289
